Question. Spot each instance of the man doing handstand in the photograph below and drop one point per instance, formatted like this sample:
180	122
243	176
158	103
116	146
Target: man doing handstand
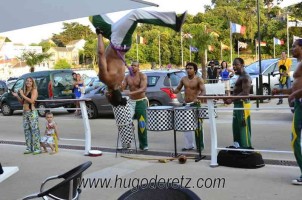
111	61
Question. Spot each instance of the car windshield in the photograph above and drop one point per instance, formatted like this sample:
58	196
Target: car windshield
175	78
63	79
253	69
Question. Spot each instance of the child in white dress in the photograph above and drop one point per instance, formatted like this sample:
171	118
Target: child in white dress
51	135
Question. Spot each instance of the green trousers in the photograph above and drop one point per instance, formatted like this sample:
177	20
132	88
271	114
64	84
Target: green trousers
296	142
120	33
242	124
140	113
199	135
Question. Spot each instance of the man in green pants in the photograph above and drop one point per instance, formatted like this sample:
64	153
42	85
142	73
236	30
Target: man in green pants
137	84
241	118
112	61
295	93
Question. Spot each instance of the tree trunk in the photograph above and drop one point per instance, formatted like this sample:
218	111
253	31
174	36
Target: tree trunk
31	69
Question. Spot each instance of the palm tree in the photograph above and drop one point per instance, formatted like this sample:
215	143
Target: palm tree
32	58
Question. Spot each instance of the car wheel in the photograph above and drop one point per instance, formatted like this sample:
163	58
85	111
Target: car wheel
6	110
154	103
92	111
42	110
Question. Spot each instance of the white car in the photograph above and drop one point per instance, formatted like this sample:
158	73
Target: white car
269	67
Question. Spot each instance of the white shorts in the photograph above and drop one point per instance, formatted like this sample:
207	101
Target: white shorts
226	84
47	139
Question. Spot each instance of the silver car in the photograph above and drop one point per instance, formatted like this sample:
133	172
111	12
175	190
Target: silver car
158	93
269	67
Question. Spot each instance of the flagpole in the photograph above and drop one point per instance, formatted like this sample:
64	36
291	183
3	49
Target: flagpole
182	52
190	53
231	41
159	59
206	56
287	34
221	51
238	48
274	48
137	48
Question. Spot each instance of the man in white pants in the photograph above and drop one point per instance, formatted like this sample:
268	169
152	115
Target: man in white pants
194	87
112	61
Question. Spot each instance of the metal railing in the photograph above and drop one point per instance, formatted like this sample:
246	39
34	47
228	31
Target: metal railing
84	117
213	130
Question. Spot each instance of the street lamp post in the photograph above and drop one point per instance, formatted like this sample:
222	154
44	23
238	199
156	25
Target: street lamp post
259	51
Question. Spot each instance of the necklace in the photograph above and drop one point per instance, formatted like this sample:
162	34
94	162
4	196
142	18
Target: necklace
191	78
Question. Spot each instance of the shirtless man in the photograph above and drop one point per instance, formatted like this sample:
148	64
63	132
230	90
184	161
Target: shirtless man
295	94
194	87
112	60
241	118
137	84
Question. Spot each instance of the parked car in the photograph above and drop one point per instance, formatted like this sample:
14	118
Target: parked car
56	84
269	67
92	83
3	87
158	93
10	84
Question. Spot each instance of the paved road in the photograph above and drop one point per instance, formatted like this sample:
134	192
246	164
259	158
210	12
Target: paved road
270	131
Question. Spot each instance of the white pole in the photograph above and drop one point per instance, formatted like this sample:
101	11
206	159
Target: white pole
159	59
213	132
190	53
231	46
137	48
221	51
287	34
206	56
238	48
182	52
86	126
274	48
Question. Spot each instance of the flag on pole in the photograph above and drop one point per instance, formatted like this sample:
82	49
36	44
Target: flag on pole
278	42
262	44
140	40
236	28
193	49
242	45
211	48
214	34
224	47
187	36
293	22
296	38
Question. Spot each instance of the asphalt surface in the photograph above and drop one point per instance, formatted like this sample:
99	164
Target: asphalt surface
271	130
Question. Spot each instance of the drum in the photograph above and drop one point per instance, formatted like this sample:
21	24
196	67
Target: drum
122	114
185	119
160	118
126	132
203	113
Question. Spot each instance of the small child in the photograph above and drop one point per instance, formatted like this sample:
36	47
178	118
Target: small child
51	135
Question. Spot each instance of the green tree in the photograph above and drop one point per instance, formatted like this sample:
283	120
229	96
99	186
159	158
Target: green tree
32	58
90	50
46	45
72	31
62	64
201	40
